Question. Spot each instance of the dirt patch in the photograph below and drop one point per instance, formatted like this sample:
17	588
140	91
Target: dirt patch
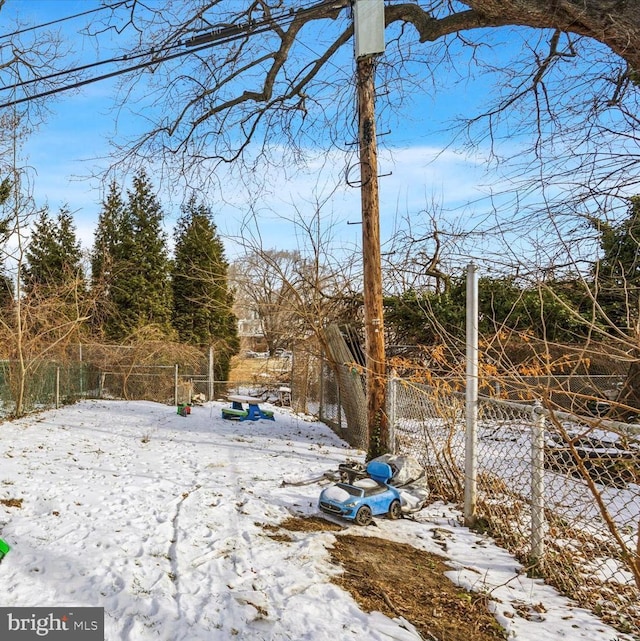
11	502
294	524
310	524
402	581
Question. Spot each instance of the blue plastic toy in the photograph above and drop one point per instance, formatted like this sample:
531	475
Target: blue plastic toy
364	498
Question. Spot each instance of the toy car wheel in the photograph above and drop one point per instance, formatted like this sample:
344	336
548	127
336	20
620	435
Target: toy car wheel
364	516
395	510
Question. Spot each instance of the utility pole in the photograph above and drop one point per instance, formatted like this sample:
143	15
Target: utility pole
369	42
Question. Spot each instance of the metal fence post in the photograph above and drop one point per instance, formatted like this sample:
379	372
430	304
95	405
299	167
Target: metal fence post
81	374
211	372
538	524
57	387
320	391
392	402
471	398
175	385
339	397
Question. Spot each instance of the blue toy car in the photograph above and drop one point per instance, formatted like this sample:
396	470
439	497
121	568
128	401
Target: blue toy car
364	498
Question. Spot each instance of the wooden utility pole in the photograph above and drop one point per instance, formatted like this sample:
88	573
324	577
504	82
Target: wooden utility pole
372	270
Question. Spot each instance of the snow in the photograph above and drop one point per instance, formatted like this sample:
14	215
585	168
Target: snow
335	493
160	518
365	484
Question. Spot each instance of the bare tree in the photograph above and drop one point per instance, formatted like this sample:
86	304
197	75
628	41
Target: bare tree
268	280
296	293
38	325
423	252
261	77
263	82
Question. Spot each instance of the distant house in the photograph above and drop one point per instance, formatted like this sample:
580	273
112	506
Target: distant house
250	330
249	324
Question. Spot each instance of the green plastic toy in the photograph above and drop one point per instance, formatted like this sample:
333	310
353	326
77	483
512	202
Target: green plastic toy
4	548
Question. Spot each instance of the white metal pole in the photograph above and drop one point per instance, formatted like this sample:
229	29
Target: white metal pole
471	398
538	525
393	403
211	374
81	370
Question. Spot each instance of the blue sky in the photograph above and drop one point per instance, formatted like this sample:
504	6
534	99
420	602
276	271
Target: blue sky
68	147
72	145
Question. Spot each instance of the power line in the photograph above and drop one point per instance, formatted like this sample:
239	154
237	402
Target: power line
119	72
91	65
65	19
220	35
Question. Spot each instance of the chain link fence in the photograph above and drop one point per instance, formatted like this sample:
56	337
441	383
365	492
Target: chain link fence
46	385
581	394
561	491
104	371
334	394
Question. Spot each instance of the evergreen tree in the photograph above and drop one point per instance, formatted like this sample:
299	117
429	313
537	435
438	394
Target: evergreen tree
70	257
54	255
7	286
40	254
618	271
107	237
139	290
7	295
617	276
202	300
107	260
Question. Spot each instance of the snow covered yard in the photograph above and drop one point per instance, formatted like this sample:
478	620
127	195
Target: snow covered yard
160	519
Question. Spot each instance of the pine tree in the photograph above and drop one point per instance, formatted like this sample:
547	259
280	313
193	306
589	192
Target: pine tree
139	288
7	292
7	287
107	260
70	256
107	237
54	255
202	300
618	270
39	267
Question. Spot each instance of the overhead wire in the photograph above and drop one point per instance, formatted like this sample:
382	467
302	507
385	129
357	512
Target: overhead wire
113	74
238	32
60	20
91	65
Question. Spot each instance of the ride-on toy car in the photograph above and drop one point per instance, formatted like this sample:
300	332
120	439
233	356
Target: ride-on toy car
364	498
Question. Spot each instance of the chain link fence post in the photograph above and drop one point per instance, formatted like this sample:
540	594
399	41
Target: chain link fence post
321	391
538	521
392	401
471	399
211	376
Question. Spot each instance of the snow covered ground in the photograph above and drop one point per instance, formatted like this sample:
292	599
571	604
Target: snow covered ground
159	519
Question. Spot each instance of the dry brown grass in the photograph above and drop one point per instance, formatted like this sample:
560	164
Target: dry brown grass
402	581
